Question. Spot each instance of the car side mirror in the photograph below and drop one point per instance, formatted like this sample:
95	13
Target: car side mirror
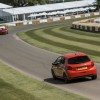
55	63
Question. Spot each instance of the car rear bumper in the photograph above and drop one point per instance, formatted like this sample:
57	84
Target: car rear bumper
1	33
83	73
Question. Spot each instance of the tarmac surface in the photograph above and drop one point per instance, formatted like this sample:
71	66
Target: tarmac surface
37	63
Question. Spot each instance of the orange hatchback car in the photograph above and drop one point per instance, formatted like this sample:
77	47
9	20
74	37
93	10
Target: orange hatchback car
73	65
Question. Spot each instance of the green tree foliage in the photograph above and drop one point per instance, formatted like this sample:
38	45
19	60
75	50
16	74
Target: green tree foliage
98	4
20	3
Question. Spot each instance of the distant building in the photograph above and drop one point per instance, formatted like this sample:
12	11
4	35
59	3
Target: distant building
2	7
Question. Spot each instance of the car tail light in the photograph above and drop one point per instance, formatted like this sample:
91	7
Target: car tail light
91	65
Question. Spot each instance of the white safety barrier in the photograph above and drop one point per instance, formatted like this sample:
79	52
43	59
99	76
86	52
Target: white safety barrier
96	13
90	28
25	23
56	19
78	16
67	17
87	15
85	27
29	22
96	29
11	24
43	21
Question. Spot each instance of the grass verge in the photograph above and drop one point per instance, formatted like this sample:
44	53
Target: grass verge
63	39
16	86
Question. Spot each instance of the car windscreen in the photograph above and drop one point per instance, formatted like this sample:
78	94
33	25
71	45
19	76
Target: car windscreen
2	29
78	60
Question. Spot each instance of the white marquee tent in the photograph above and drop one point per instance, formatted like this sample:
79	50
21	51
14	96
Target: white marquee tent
4	6
47	9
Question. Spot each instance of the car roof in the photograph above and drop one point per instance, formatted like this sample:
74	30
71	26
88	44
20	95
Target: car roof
76	54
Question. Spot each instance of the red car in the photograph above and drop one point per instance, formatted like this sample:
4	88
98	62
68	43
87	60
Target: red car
73	65
3	30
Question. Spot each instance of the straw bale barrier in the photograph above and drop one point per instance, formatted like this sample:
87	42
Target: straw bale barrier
35	22
62	18
87	25
19	24
4	25
49	20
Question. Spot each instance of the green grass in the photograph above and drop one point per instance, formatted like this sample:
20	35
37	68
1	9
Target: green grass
62	39
79	32
65	38
62	45
16	86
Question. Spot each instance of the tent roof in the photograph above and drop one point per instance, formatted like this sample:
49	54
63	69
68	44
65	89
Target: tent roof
49	7
4	6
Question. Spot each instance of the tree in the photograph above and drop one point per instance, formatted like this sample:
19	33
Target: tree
21	3
98	4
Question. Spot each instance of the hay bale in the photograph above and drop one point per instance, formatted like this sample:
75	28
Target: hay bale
62	18
90	21
82	16
35	22
19	24
49	20
4	26
92	14
73	17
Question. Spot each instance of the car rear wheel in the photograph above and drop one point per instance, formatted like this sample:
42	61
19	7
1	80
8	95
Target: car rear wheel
53	75
94	77
65	78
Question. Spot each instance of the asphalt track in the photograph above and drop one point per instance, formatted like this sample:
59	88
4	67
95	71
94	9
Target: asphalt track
37	62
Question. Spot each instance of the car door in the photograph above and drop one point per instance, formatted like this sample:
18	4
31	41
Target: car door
59	67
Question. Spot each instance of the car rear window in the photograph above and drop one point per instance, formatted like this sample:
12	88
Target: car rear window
78	60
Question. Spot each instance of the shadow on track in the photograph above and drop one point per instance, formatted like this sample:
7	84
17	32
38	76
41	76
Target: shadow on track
61	81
